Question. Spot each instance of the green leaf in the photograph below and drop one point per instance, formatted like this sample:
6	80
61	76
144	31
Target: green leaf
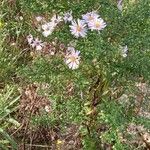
7	137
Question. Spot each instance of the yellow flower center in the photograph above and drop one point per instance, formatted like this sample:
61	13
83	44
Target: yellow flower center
97	24
79	28
90	18
73	59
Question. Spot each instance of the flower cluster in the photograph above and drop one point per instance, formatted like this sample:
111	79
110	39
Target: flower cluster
90	20
48	27
72	58
79	28
44	47
35	43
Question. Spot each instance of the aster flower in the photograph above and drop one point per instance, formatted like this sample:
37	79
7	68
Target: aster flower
72	58
30	39
119	5
37	44
124	51
78	29
90	16
56	19
48	28
97	24
68	17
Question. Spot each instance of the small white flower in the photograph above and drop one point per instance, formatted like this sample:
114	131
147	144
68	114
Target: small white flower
97	24
56	19
30	39
68	17
37	44
21	18
124	51
39	18
52	51
47	108
78	29
90	16
72	59
48	28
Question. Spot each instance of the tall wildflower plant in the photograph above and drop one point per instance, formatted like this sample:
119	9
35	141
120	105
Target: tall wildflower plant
94	56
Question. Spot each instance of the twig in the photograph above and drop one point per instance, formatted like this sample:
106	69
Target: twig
34	145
